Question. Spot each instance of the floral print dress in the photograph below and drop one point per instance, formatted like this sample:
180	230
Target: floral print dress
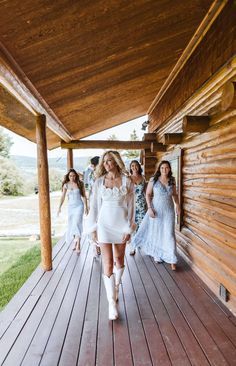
140	203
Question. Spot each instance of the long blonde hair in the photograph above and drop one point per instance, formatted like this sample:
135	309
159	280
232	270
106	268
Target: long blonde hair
100	170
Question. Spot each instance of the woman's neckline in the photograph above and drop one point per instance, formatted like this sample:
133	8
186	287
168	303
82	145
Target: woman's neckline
71	187
141	181
165	185
121	176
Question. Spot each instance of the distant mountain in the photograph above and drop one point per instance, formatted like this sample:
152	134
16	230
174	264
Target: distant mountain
29	164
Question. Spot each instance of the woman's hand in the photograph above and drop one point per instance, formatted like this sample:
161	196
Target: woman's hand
178	210
126	238
151	212
86	211
95	237
59	211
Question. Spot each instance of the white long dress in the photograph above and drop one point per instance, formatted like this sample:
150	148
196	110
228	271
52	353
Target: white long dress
156	236
112	211
75	213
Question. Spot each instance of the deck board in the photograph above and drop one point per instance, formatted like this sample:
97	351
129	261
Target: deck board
166	318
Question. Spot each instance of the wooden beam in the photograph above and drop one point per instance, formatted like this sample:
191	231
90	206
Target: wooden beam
156	147
191	77
172	138
70	164
228	98
212	14
44	199
149	137
111	144
195	123
16	83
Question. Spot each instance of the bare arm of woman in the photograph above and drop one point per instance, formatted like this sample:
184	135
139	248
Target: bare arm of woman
149	195
131	210
62	199
84	199
176	200
91	220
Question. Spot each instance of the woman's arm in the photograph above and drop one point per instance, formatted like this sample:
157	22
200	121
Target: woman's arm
131	209
149	195
84	199
176	200
131	205
62	199
91	220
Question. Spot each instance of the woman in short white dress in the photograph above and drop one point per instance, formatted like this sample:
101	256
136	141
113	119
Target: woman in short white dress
73	188
111	220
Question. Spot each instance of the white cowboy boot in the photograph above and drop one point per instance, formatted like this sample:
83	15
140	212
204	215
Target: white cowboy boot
118	273
109	283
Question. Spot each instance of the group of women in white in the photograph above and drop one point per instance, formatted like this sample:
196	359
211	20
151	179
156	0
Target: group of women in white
123	209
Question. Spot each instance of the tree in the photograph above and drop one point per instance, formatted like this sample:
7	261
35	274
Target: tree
11	181
55	179
5	144
112	137
132	154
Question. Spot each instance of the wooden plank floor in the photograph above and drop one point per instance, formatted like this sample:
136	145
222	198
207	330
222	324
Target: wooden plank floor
166	318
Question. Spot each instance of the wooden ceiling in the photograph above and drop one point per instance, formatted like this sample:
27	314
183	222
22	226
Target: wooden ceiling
97	64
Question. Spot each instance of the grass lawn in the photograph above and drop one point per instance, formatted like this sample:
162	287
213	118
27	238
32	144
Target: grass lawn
23	257
11	249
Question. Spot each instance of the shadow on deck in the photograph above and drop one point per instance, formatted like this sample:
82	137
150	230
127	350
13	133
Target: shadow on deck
166	318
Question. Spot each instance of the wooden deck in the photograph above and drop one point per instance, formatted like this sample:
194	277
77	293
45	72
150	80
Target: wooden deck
166	318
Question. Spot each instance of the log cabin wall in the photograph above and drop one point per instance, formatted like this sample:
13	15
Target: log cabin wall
205	87
208	235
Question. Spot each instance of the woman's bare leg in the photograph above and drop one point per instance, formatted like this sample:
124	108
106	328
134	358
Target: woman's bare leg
107	259
109	279
119	255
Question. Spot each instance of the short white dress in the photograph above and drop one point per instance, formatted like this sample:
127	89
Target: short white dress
75	213
112	211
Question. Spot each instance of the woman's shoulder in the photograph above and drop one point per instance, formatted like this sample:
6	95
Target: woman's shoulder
98	181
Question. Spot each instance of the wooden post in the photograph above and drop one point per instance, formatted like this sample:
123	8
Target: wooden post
195	123
70	164
44	199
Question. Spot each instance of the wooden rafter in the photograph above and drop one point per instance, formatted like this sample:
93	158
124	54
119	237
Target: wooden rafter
13	79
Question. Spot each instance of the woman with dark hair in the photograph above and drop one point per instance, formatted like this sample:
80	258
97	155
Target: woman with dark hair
111	221
140	200
73	187
156	234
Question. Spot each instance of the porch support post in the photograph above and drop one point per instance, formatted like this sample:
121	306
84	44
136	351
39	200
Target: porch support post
70	164
44	199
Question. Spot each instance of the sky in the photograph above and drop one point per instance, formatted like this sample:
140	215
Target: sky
25	147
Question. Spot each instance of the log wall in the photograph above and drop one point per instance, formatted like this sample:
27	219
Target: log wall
208	236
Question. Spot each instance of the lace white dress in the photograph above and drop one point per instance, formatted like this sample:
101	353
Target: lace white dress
75	213
156	236
112	211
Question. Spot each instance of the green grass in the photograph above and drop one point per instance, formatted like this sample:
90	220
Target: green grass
11	249
14	277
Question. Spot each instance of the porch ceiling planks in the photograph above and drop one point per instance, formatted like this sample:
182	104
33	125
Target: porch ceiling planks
100	63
